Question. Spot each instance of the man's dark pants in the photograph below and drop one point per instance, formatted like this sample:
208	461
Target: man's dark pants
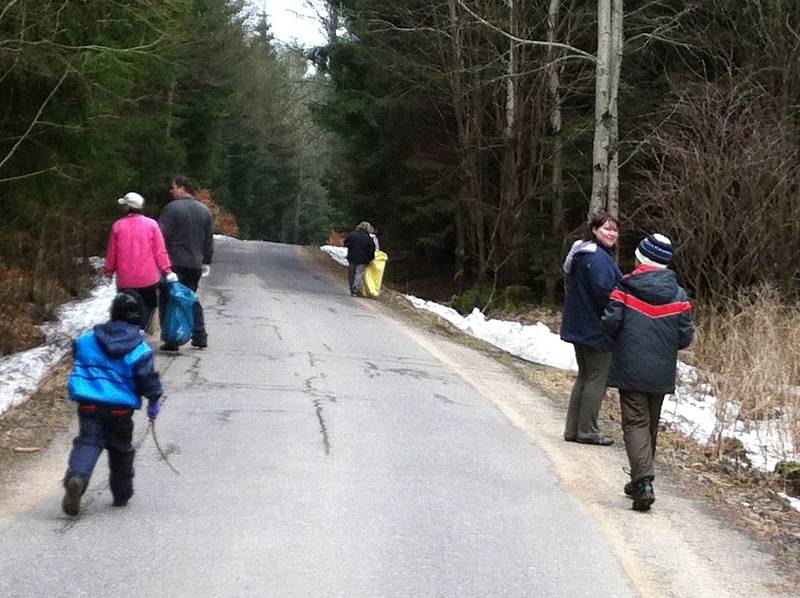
104	427
640	414
189	277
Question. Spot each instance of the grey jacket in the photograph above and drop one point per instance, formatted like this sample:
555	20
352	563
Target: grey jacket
188	230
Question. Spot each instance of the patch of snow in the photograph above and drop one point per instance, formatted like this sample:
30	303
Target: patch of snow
338	254
21	373
534	343
793	502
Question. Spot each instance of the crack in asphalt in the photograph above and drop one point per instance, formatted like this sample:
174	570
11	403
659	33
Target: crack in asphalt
225	415
308	385
420	374
326	443
195	378
372	370
318	401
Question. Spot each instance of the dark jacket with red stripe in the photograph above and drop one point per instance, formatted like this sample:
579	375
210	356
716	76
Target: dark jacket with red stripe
648	318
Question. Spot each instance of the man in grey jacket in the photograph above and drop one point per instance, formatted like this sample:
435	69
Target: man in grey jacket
188	229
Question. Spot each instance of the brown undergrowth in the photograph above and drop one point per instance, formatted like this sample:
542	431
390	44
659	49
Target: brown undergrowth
29	428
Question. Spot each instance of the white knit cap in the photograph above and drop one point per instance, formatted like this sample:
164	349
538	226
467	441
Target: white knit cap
132	199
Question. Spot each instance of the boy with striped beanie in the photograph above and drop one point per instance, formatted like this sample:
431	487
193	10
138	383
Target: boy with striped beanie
648	319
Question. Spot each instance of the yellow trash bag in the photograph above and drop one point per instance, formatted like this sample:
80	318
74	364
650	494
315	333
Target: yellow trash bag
373	275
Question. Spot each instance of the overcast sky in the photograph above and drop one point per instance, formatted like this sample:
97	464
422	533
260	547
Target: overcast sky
293	20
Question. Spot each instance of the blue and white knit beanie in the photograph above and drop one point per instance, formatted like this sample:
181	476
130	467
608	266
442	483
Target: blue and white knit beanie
654	250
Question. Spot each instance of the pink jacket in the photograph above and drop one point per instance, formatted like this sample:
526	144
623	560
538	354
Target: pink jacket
136	252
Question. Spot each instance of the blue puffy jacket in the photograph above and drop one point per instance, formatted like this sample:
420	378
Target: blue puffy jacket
592	275
113	365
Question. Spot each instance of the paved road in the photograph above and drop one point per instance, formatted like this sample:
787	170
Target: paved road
322	453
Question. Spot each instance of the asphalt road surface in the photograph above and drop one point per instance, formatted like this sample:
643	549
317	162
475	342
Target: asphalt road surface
322	452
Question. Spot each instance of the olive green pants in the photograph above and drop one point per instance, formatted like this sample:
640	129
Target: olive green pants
640	414
587	393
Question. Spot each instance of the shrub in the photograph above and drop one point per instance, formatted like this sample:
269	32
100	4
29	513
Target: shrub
752	347
486	299
726	191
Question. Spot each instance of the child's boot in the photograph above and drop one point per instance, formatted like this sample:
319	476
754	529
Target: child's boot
643	495
74	489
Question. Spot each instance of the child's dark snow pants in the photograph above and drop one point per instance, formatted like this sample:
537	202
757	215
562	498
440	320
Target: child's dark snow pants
104	427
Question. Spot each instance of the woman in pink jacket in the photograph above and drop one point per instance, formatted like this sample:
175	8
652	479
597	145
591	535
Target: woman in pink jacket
136	253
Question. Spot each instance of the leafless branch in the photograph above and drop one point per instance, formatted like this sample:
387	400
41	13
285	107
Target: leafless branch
35	120
577	52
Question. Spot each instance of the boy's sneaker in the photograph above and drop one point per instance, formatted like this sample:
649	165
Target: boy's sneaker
73	490
643	496
118	502
199	343
168	347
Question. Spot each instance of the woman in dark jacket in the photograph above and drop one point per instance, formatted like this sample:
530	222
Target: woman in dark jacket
592	275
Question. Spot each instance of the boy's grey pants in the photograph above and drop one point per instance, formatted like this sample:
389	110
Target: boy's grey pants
640	414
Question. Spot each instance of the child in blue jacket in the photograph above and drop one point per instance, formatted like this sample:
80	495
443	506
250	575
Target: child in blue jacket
113	369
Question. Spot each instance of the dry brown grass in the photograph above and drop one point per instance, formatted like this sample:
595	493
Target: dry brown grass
752	346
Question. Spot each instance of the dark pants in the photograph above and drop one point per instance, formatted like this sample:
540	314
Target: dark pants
189	277
110	428
587	393
640	414
355	276
150	297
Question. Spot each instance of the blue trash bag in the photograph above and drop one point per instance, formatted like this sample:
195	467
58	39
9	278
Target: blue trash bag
176	329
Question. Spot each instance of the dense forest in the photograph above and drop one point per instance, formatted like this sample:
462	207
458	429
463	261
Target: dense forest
469	131
476	135
103	97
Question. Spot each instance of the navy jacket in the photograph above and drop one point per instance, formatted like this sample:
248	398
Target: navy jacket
360	247
592	275
649	318
188	229
114	366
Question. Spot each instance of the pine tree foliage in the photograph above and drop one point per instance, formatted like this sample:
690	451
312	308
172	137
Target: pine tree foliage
104	97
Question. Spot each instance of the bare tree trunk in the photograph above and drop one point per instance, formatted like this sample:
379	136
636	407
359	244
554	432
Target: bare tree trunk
467	104
617	14
298	202
557	160
508	220
331	21
170	105
605	181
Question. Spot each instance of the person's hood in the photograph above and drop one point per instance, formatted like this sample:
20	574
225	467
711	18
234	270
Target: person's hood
117	339
657	286
578	247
